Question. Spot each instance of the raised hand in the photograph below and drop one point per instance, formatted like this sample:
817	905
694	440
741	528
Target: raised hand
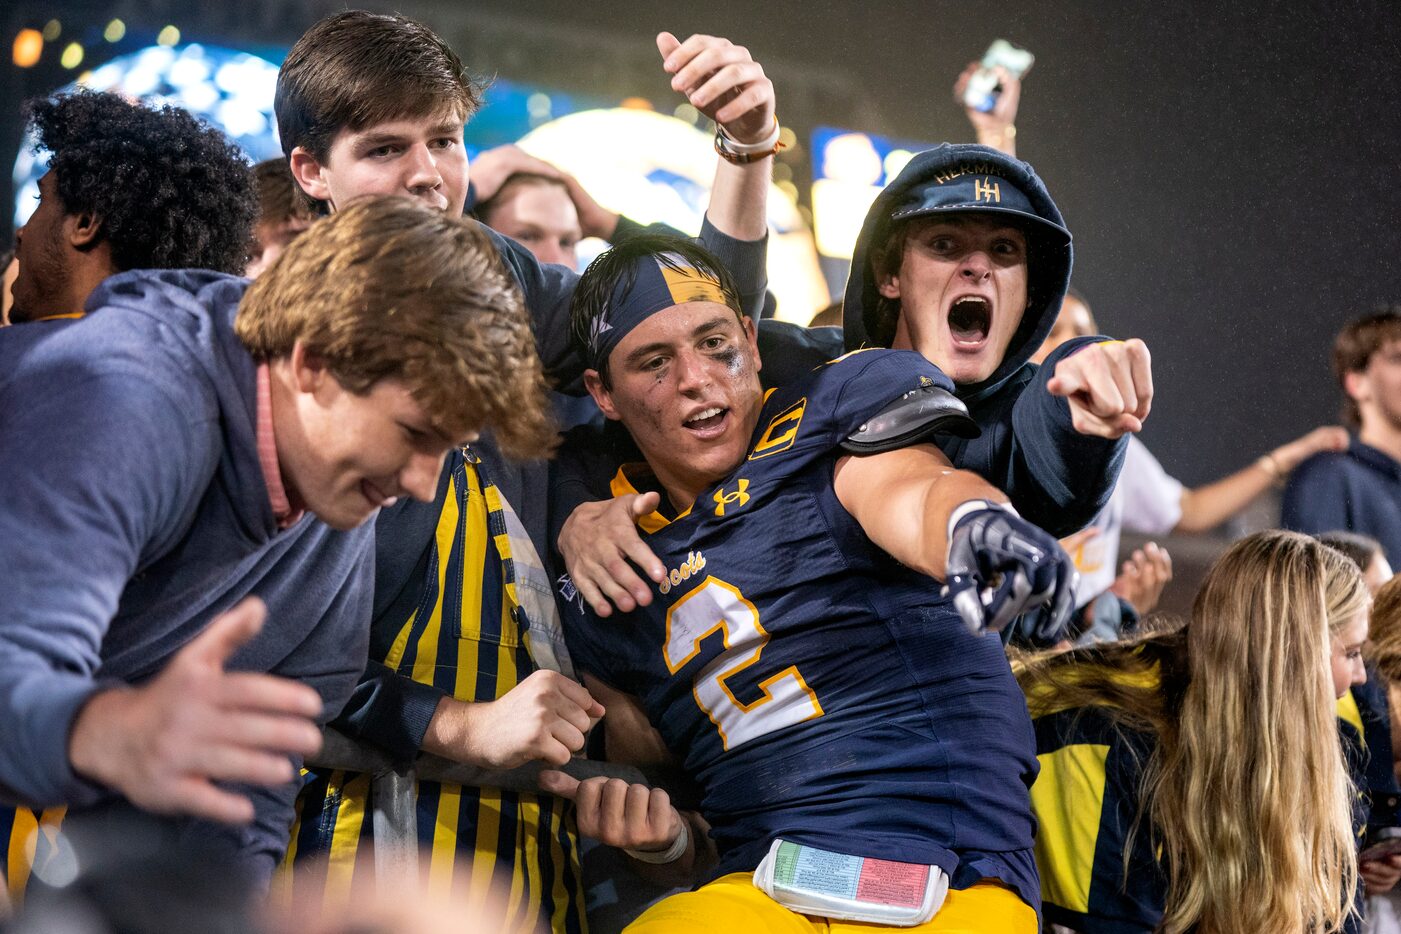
722	81
165	744
1142	578
994	128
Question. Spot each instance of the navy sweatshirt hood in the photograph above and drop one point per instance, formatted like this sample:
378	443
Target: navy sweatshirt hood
934	182
195	309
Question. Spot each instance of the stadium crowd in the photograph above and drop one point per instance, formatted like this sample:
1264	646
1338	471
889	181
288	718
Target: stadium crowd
367	566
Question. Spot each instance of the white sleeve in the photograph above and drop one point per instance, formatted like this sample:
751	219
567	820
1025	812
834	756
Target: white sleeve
1152	498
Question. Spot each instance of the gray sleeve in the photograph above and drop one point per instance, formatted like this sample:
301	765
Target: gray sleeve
747	261
98	469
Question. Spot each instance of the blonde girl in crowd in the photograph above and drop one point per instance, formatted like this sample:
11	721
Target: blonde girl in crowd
1194	779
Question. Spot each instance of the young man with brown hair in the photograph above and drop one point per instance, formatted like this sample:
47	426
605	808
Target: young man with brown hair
375	104
535	211
171	503
1358	489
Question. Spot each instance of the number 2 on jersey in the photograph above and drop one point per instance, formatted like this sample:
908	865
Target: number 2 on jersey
715	606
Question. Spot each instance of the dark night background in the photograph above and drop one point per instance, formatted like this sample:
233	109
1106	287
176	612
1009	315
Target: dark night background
1230	174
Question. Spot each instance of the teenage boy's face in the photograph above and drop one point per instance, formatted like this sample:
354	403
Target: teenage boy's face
345	455
418	157
1377	389
685	384
962	291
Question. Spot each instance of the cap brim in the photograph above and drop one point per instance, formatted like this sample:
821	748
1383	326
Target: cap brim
1040	224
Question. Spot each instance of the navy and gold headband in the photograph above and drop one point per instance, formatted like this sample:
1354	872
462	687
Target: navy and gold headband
662	281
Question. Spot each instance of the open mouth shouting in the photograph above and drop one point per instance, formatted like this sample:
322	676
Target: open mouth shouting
970	321
708	422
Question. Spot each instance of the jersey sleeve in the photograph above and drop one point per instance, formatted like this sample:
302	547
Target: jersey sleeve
587	637
835	400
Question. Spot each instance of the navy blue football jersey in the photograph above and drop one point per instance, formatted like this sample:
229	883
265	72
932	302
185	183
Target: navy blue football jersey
817	689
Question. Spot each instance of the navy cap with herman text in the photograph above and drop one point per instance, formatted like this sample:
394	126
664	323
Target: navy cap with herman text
975	186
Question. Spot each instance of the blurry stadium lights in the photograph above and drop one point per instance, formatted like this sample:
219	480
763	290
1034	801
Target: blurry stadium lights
852	158
895	161
29	45
665	175
229	88
115	31
168	36
52	30
849	169
72	56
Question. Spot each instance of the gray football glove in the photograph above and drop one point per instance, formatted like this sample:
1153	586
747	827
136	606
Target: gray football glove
1000	568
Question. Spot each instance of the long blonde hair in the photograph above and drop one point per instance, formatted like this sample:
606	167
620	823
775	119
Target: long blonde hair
1247	792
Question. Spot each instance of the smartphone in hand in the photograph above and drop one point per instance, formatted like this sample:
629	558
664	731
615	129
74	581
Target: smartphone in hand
983	88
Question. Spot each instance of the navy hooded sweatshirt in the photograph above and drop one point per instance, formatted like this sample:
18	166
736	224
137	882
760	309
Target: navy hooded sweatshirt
132	512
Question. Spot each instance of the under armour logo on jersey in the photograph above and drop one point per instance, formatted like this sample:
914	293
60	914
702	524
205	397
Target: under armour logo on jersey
738	498
986	190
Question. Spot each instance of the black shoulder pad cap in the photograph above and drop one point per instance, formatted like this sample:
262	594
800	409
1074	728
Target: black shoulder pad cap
916	416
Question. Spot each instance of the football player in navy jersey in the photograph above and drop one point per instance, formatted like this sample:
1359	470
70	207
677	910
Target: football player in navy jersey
964	258
854	724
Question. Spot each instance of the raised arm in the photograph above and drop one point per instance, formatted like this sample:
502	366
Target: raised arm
722	81
1206	507
998	127
1069	427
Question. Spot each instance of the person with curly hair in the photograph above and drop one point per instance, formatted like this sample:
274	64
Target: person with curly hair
128	187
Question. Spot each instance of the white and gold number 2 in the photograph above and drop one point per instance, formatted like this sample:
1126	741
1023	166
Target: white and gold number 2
785	698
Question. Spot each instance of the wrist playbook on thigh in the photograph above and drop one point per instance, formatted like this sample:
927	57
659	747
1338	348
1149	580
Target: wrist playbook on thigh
850	888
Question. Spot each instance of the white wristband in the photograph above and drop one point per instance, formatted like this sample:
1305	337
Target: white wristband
764	145
670	855
973	505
